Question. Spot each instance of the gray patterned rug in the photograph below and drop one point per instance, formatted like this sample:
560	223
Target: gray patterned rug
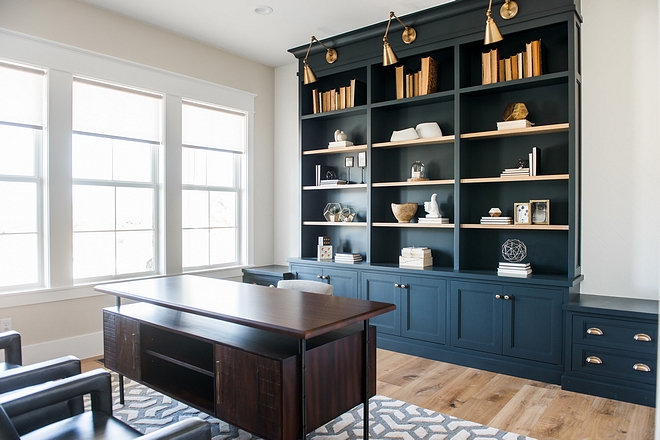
147	410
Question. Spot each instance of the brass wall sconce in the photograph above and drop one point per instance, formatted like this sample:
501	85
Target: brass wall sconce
408	36
330	57
509	9
493	34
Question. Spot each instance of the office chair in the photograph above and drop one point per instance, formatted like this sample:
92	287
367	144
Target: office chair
306	286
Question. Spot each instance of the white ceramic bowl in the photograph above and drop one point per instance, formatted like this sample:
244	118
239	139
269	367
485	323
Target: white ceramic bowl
427	130
404	135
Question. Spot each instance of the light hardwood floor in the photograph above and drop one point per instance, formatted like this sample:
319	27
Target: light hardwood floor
526	407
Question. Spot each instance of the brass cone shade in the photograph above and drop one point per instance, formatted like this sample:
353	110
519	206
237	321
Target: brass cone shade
493	34
389	57
308	75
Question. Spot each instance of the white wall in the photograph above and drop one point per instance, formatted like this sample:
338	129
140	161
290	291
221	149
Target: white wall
621	165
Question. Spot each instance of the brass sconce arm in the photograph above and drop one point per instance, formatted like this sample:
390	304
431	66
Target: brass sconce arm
330	57
408	36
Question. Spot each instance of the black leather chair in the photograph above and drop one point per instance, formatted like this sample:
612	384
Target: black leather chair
96	424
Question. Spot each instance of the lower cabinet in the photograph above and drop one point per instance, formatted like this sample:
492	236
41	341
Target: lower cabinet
421	305
121	339
521	322
344	281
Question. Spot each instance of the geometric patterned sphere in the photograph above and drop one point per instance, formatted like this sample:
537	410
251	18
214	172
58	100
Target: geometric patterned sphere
514	250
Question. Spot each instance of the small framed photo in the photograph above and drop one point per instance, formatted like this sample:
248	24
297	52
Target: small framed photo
522	213
349	161
362	159
540	210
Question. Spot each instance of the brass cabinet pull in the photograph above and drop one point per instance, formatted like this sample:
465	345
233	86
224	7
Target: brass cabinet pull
396	285
403	286
507	297
319	277
642	367
134	351
594	360
642	337
497	296
594	331
217	381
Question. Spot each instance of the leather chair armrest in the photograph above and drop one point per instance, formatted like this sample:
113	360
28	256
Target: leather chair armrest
7	431
38	373
189	429
10	342
96	383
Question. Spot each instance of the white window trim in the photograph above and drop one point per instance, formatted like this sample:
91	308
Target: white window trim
62	62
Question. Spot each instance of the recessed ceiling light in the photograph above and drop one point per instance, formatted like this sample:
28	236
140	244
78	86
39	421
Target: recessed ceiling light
263	9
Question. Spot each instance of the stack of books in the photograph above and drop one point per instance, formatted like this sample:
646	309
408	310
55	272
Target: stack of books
415	257
510	125
515	172
344	257
438	220
340	144
520	270
332	182
496	220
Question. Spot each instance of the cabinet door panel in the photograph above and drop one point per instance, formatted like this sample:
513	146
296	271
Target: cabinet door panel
533	324
306	272
344	282
121	339
424	309
476	316
380	287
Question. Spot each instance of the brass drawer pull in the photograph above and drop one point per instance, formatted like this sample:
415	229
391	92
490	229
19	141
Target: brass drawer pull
217	382
642	367
642	337
594	331
594	360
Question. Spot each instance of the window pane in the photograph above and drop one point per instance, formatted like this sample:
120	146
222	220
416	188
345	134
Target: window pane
220	168
135	252
19	257
223	245
132	161
92	157
135	208
22	94
195	247
222	209
93	208
18	207
102	109
195	209
17	150
193	166
93	254
213	128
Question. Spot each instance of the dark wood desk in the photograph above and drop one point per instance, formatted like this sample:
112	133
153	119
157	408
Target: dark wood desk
247	325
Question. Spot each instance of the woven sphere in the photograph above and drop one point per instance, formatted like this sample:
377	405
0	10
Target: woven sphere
514	250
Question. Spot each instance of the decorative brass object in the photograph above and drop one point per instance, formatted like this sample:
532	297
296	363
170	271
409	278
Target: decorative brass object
509	9
330	57
594	331
642	337
594	360
642	367
493	34
408	36
515	111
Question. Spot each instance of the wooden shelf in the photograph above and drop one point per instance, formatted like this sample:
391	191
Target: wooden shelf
521	227
541	129
413	225
324	223
337	150
179	362
416	142
516	178
416	183
351	186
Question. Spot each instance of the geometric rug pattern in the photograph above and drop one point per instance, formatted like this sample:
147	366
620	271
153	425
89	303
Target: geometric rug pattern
147	410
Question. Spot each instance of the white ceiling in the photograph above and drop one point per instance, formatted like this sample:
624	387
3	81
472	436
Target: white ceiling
232	25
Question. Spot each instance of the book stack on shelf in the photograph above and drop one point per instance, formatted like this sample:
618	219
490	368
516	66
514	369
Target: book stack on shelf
438	220
496	220
521	65
415	257
520	270
339	99
340	144
511	125
419	83
332	182
344	257
513	172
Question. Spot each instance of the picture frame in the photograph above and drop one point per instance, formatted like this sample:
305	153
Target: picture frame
522	213
362	159
349	161
540	212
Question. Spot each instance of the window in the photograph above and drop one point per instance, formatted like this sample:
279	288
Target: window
21	179
116	138
213	150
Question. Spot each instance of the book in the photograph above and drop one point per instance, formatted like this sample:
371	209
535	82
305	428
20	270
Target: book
400	82
441	220
318	175
315	101
416	83
510	125
521	64
496	220
329	182
337	144
485	68
503	273
429	76
511	265
494	65
514	66
528	60
415	252
535	163
358	95
415	262
501	69
508	70
537	68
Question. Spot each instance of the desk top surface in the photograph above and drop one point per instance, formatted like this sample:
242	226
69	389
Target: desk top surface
288	312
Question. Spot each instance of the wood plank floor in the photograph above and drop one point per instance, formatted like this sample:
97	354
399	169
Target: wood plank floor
526	407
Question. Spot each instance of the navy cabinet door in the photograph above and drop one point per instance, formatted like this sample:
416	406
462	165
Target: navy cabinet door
424	309
533	323
302	272
476	313
381	287
344	282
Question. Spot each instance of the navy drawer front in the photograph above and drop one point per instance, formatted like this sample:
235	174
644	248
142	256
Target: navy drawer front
615	333
617	364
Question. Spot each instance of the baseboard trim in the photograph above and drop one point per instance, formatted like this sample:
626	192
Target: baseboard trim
83	347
